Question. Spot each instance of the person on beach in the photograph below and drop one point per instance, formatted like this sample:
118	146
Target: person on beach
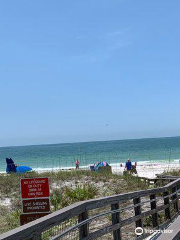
128	165
77	164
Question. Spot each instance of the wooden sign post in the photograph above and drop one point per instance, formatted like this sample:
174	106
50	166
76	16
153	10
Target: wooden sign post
35	199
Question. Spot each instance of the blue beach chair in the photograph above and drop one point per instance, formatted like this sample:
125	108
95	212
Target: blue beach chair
13	168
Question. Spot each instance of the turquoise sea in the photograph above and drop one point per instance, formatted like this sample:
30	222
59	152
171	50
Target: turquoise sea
55	156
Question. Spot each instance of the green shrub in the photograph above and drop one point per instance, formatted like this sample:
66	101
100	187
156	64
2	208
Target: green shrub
80	193
172	172
13	219
56	199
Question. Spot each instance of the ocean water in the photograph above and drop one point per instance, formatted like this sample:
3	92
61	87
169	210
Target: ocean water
55	156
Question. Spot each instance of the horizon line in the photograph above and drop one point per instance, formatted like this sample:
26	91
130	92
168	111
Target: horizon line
124	139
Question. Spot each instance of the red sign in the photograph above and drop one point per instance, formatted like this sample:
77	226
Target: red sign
34	187
36	205
26	218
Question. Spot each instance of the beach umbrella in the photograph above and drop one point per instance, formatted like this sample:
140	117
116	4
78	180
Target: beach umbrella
105	164
23	169
101	164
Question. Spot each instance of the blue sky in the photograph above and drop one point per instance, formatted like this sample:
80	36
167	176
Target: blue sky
88	70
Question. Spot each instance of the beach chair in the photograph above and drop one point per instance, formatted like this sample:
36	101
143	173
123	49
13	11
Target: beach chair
13	168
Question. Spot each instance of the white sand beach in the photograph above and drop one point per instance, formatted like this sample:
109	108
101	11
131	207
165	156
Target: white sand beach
149	170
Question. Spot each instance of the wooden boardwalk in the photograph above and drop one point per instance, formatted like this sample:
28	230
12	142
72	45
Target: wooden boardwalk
173	231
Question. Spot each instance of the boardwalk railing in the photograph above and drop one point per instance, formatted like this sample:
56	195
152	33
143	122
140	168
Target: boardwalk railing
115	217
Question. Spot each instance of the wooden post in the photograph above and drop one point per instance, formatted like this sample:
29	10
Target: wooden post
116	219
161	182
166	202
84	229
154	215
144	181
155	182
137	211
176	205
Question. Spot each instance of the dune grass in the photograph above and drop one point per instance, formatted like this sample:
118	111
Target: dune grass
172	172
66	187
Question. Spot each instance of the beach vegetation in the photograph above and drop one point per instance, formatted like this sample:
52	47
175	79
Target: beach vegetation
172	172
66	187
56	199
80	193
